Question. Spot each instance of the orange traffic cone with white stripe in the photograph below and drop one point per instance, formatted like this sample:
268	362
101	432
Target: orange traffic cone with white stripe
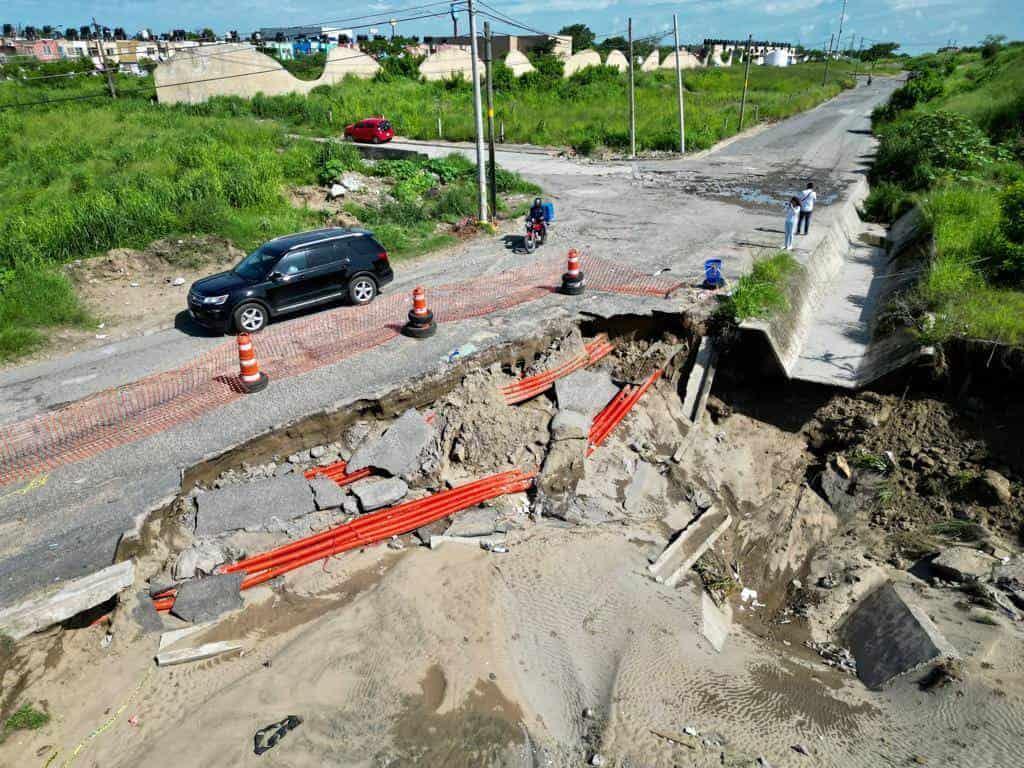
253	380
572	280
421	320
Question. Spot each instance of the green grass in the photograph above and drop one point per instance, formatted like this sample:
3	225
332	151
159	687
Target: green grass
763	292
971	287
27	718
37	296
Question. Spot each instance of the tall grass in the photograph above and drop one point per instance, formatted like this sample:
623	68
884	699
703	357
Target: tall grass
763	291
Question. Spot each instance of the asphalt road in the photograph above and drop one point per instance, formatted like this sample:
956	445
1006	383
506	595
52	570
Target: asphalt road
653	215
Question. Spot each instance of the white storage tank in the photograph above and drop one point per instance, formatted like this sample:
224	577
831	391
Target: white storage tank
777	58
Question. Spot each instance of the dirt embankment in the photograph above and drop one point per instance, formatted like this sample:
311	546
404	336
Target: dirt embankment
562	650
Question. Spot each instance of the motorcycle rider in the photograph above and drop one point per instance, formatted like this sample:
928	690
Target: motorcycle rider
536	214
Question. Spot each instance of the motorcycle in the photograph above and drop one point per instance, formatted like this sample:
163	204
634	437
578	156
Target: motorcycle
536	234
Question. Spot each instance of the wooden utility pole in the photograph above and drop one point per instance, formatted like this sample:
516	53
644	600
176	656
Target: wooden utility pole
632	96
746	81
489	65
103	58
828	57
856	67
481	170
679	87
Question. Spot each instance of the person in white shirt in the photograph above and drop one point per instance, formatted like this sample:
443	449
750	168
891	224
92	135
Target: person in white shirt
792	212
807	198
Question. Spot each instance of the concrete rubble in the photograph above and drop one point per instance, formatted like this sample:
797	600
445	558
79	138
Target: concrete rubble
482	521
716	621
251	505
397	451
206	599
199	559
890	635
74	597
677	559
199	653
327	494
379	493
585	391
963	564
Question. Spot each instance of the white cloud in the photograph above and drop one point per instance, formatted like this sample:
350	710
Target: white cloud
790	6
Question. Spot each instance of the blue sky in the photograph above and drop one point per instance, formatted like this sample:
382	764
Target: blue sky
920	24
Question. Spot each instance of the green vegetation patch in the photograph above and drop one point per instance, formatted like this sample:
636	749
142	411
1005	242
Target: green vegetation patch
763	292
27	718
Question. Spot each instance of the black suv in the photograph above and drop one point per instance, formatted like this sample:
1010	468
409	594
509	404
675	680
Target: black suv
292	273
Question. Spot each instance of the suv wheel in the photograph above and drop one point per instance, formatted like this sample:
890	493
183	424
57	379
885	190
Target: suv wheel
250	318
362	289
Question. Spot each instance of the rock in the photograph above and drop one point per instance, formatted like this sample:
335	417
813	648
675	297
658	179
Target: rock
352	182
395	543
398	450
570	425
924	461
355	434
588	714
336	191
375	494
701	500
717	409
178	281
71	599
801	749
300	457
597	760
145	614
436	528
283	469
563	467
350	506
689	730
585	391
482	521
963	564
317	451
327	494
843	467
251	505
207	599
889	635
201	558
993	488
1009	576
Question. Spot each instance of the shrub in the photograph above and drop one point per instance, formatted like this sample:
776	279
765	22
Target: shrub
762	292
924	87
916	151
27	718
412	188
886	202
1011	204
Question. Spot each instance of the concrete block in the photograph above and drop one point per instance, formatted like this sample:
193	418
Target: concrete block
585	391
250	506
71	599
206	599
715	622
963	564
679	557
175	636
702	375
482	521
570	425
397	451
376	494
201	558
327	494
200	653
483	542
145	615
889	635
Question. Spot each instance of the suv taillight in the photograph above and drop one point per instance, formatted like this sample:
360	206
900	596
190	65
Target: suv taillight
382	256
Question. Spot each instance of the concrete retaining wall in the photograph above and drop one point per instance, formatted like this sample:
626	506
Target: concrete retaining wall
686	61
518	63
582	60
236	69
450	63
618	60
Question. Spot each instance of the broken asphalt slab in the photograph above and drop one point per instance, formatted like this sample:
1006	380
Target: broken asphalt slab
585	391
377	494
206	599
397	451
327	494
250	506
71	599
890	635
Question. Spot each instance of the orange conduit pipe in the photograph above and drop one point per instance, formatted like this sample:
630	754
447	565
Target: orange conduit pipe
613	414
531	386
336	472
368	529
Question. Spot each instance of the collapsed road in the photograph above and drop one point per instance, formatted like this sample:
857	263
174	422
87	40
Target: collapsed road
64	512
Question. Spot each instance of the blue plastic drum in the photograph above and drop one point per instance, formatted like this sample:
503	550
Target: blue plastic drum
713	273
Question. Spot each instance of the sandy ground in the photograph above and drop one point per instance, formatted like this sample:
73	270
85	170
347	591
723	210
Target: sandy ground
561	649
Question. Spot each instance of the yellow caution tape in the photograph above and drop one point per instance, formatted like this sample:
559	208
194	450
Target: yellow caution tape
106	725
36	482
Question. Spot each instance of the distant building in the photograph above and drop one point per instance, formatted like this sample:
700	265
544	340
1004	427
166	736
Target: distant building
312	32
501	45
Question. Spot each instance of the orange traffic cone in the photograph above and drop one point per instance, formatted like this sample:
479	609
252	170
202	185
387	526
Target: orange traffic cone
572	280
253	380
421	320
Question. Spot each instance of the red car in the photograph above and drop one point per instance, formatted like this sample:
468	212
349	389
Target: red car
372	130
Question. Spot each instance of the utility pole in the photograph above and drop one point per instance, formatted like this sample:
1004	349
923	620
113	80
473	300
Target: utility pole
488	63
828	57
842	18
455	22
481	171
632	96
746	80
103	58
679	87
856	67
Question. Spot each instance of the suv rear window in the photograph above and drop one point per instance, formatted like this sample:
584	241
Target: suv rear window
364	247
385	125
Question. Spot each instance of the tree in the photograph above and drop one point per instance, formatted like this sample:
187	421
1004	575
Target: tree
991	45
8	30
879	51
85	32
30	33
71	33
582	36
207	34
